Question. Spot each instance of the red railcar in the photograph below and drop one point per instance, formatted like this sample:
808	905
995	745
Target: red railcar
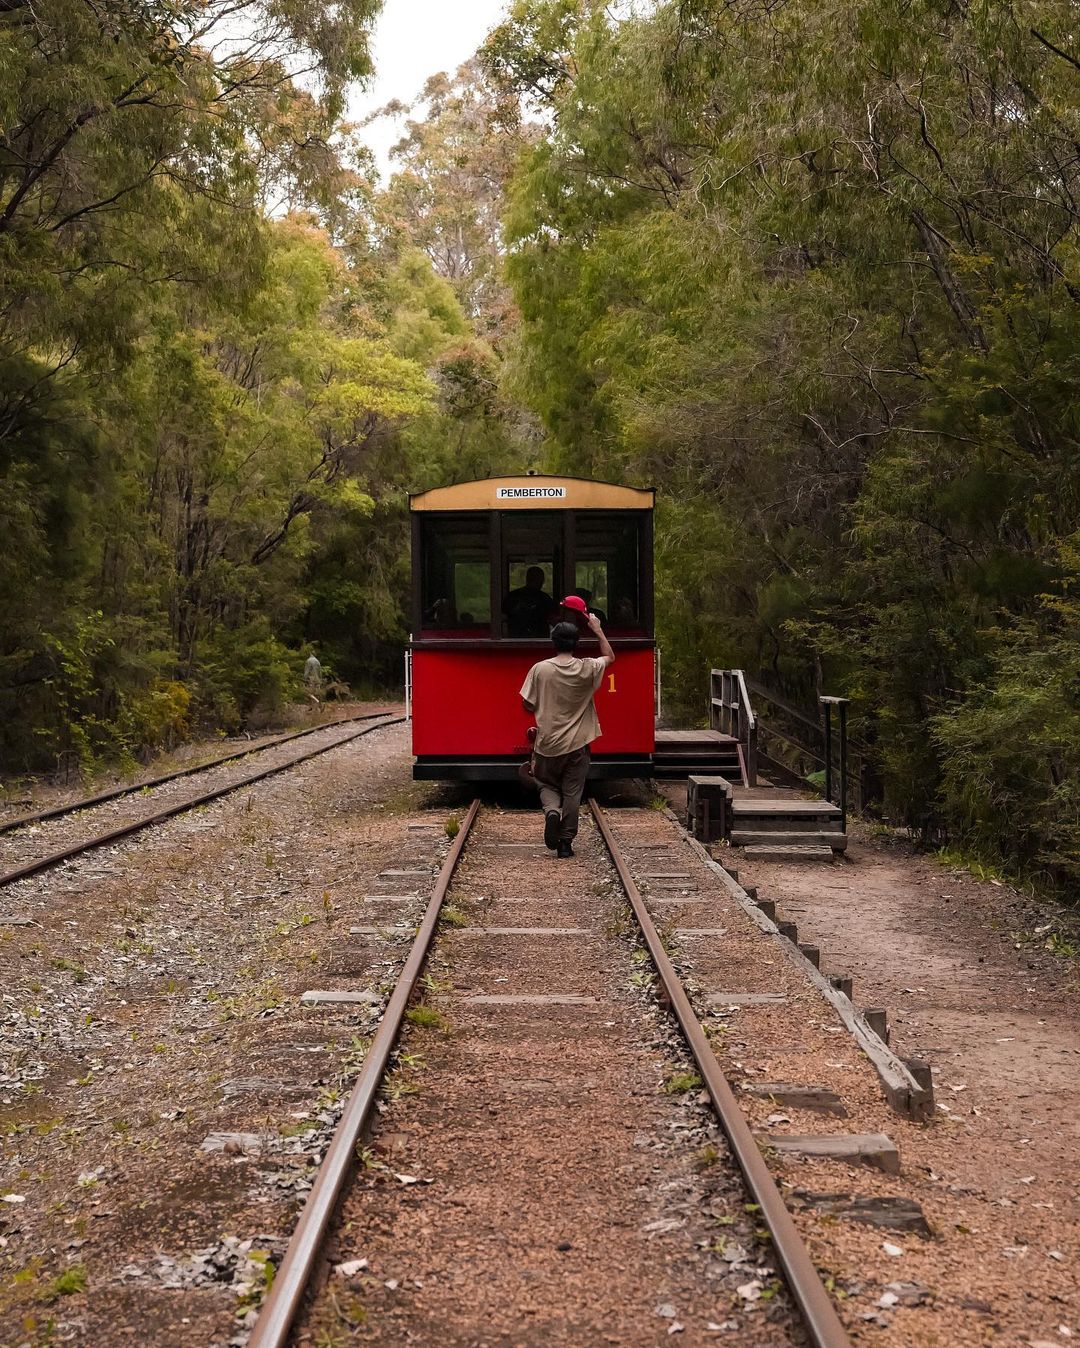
491	562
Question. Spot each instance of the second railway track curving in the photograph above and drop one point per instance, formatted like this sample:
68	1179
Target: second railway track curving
26	843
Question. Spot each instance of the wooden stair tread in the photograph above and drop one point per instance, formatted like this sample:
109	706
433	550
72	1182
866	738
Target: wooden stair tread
744	806
809	838
803	853
706	760
705	738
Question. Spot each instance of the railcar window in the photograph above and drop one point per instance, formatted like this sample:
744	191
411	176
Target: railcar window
455	590
607	570
531	571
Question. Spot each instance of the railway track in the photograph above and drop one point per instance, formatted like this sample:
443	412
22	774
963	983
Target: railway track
533	1181
507	1026
25	840
132	788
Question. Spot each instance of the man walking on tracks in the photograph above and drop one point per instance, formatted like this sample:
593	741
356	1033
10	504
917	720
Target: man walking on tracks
559	691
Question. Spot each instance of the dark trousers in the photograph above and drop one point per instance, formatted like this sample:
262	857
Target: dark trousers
561	781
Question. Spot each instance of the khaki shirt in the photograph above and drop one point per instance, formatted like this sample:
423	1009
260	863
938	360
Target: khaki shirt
562	694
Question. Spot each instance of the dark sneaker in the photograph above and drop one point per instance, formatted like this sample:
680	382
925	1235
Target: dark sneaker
565	850
552	820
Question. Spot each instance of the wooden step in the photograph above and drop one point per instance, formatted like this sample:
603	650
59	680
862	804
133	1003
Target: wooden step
666	739
697	750
785	805
774	838
687	763
784	824
697	747
696	769
788	853
747	814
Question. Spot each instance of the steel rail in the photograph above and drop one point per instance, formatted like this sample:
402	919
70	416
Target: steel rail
115	793
291	1281
159	816
818	1313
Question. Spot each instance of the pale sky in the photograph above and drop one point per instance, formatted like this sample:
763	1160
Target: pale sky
415	39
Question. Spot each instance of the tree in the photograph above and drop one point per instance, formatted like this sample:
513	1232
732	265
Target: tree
814	271
139	145
445	197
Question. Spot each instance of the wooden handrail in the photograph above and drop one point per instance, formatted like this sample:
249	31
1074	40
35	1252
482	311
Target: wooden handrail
860	747
760	690
733	714
744	695
787	739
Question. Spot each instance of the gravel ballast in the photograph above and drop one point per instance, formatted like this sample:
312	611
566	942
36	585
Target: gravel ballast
544	1171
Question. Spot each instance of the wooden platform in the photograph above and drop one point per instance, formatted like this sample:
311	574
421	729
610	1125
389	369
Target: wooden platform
785	837
795	852
794	807
692	739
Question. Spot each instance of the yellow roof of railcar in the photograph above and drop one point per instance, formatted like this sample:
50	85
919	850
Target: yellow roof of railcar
534	492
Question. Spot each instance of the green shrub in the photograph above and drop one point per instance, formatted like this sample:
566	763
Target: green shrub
245	670
1011	748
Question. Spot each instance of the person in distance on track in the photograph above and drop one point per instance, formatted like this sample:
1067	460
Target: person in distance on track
313	676
559	692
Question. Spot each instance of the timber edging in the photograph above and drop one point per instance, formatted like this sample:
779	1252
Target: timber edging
907	1087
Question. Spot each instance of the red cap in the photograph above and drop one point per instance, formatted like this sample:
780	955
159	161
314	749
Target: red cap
575	602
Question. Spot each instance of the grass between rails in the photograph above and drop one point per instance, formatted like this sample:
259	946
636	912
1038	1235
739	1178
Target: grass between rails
28	1289
425	1017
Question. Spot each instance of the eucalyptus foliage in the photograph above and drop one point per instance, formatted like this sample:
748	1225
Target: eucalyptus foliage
812	269
225	357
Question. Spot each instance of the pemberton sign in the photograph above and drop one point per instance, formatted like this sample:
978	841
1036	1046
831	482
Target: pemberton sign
530	493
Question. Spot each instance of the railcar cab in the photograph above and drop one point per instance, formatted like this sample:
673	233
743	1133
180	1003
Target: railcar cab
491	562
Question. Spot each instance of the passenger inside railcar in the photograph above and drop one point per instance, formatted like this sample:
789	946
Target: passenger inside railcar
531	572
529	609
439	614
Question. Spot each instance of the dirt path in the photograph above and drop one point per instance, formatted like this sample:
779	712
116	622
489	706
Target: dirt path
544	1173
997	1015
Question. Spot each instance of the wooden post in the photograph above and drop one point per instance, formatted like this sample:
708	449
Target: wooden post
842	703
828	749
843	766
751	755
